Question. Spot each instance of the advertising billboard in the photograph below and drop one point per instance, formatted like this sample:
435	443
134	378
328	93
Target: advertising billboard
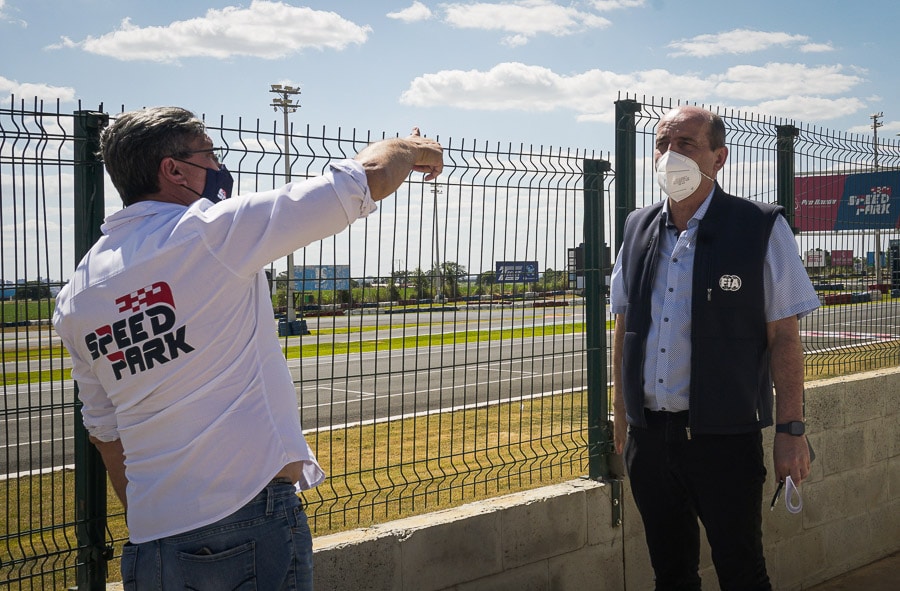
516	271
814	258
322	278
870	259
864	201
841	258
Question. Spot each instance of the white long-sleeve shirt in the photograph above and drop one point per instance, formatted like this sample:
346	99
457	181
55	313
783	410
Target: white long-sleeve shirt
169	324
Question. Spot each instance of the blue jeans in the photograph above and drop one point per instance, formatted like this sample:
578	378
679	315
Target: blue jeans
266	545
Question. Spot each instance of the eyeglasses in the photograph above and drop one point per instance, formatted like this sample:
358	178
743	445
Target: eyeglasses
218	152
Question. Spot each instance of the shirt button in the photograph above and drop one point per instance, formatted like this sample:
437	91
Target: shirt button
662	350
665	319
660	380
671	290
675	260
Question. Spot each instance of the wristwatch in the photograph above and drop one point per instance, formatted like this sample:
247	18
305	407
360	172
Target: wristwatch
796	428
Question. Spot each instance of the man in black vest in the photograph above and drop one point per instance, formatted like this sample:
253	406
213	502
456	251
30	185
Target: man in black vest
707	290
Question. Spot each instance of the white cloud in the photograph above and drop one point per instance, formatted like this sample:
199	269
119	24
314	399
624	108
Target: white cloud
416	12
505	86
253	144
514	40
6	17
606	5
268	30
741	41
28	90
889	129
523	19
781	80
808	108
788	90
816	47
516	86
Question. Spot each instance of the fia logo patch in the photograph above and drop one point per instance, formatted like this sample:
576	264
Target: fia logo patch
729	282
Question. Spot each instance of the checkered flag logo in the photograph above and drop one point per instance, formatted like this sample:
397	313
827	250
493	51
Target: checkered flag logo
157	293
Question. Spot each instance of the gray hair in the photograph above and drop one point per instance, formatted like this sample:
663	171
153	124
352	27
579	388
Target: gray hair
715	126
134	145
716	131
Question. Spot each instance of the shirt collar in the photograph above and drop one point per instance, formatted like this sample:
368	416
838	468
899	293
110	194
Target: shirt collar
138	210
698	215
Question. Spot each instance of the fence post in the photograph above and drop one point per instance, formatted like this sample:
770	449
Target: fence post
599	431
626	165
90	473
785	169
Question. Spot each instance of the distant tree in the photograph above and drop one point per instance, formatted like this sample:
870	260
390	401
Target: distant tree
553	280
485	282
447	276
279	291
400	278
421	282
344	296
32	290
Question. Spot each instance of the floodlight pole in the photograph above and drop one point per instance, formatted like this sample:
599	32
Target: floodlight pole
439	289
875	125
285	101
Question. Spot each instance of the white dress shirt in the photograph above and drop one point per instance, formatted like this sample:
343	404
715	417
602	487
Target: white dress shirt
169	323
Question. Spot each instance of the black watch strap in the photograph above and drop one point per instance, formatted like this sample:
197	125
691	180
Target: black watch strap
796	428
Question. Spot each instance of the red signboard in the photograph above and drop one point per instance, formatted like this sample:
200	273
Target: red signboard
841	258
817	199
863	201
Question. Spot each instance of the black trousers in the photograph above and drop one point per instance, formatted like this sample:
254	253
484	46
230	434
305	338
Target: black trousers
716	478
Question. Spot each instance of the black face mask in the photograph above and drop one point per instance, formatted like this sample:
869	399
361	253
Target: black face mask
218	183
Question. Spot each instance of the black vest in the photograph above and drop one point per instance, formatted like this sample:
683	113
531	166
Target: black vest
731	386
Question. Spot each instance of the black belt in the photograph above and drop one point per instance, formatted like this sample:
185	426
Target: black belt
280	480
660	419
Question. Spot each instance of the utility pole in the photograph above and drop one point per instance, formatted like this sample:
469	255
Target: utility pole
285	101
439	290
875	125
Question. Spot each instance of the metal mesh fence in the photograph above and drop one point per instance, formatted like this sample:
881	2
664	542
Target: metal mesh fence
423	380
851	254
438	348
37	540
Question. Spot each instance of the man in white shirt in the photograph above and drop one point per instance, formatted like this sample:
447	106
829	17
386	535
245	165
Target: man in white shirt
169	324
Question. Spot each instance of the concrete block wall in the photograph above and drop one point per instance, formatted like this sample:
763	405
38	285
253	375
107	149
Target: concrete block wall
561	537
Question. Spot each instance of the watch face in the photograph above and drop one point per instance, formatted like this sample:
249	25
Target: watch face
792	428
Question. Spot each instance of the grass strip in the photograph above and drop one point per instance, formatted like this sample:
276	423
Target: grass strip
377	473
348	347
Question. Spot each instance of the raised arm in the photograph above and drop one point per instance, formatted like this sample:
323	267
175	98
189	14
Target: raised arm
387	163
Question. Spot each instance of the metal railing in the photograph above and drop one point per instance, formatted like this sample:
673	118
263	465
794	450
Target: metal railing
423	381
800	168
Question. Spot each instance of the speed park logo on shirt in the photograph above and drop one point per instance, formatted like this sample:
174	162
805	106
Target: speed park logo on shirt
143	339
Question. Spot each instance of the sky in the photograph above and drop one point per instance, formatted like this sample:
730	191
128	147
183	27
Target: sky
539	72
532	73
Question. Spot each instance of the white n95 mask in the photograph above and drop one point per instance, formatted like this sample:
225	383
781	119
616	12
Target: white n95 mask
677	175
